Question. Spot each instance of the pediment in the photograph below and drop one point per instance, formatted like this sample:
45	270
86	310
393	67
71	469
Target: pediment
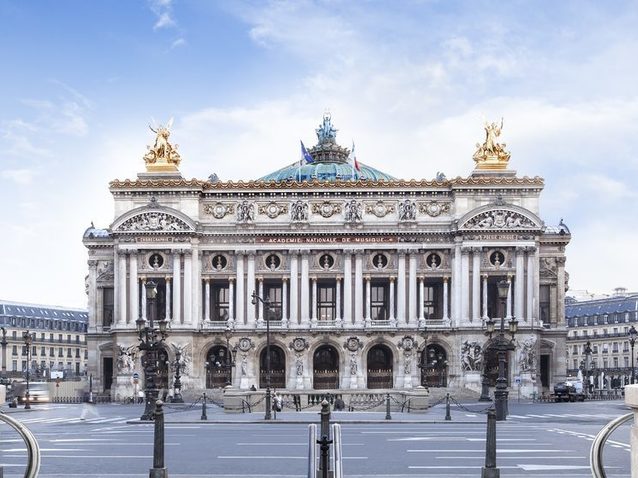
155	220
500	217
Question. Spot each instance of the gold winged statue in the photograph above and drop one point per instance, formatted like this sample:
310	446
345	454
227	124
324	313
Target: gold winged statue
491	154
162	156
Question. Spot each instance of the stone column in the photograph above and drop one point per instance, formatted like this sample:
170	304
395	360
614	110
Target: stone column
231	302
412	311
250	288
519	283
367	317
196	289
456	285
392	317
177	287
530	284
305	290
134	291
239	291
484	315
284	302
560	292
207	300
401	318
121	285
347	289
421	301
188	287
143	282
338	321
260	305
358	289
446	294
476	284
167	311
465	285
93	309
313	311
294	289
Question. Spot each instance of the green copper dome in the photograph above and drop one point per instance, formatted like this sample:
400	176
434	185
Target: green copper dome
327	161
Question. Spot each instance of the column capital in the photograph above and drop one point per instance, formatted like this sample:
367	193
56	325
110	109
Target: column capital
260	278
284	279
421	278
466	249
367	278
476	249
392	278
313	278
561	261
338	278
92	263
484	276
530	249
207	279
168	278
446	278
142	279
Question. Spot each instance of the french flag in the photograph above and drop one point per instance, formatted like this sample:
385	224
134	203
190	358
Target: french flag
353	159
305	155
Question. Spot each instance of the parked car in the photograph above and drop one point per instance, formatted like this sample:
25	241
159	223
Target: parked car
569	391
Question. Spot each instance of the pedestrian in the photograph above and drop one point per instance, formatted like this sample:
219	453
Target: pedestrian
89	410
296	399
140	396
253	388
339	404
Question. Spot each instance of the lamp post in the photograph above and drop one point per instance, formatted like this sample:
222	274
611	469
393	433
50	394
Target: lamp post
587	358
502	346
230	356
632	334
177	385
3	342
151	339
26	336
267	311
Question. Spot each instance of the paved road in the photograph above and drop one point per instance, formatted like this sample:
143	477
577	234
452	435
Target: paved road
538	440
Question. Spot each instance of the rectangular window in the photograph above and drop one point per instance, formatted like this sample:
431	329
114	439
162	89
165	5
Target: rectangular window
220	296
274	294
14	365
43	351
24	365
544	303
378	301
626	360
615	362
51	352
14	350
60	352
575	363
433	301
614	347
108	299
326	301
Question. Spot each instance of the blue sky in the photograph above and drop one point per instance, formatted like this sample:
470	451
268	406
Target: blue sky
411	82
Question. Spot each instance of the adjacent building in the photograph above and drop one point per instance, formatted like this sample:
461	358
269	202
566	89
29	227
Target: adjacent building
58	340
603	324
372	282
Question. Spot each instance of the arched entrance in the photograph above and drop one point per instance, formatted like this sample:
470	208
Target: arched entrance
325	366
218	368
380	360
277	368
434	366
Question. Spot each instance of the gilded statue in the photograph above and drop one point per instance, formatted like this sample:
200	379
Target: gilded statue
162	156
491	154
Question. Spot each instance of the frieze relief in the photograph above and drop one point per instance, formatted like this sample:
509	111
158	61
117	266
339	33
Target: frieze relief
299	211
245	212
379	208
499	219
548	267
153	222
272	209
104	271
326	208
219	210
407	210
353	211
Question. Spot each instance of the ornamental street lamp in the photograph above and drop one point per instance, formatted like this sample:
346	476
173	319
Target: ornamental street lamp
177	385
28	338
632	334
231	354
3	342
267	315
587	359
151	340
502	346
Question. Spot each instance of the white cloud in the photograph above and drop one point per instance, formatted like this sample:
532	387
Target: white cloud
163	10
177	43
19	176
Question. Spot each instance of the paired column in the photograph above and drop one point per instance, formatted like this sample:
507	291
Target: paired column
167	312
347	289
313	311
122	287
284	302
560	292
412	302
519	283
305	292
177	287
392	317
250	287
239	303
484	315
401	288
188	287
367	317
421	301
465	285
294	282
476	284
358	289
508	314
530	283
143	281
93	310
456	285
207	300
338	321
446	317
133	287
231	302
260	305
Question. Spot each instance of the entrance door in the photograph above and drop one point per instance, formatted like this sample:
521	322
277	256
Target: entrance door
107	373
325	368
218	368
545	371
380	362
434	366
277	368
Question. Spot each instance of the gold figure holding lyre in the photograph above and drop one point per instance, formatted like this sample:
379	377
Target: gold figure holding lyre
162	156
491	154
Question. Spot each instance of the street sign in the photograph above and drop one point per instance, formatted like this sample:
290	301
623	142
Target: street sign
517	380
136	376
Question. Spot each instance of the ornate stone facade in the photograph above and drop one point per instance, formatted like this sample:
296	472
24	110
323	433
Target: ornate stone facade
348	266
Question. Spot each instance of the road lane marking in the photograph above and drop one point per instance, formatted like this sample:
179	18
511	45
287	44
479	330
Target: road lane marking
279	457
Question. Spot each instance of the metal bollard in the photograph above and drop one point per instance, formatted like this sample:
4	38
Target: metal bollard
324	459
448	416
325	428
490	470
158	470
204	416
387	407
